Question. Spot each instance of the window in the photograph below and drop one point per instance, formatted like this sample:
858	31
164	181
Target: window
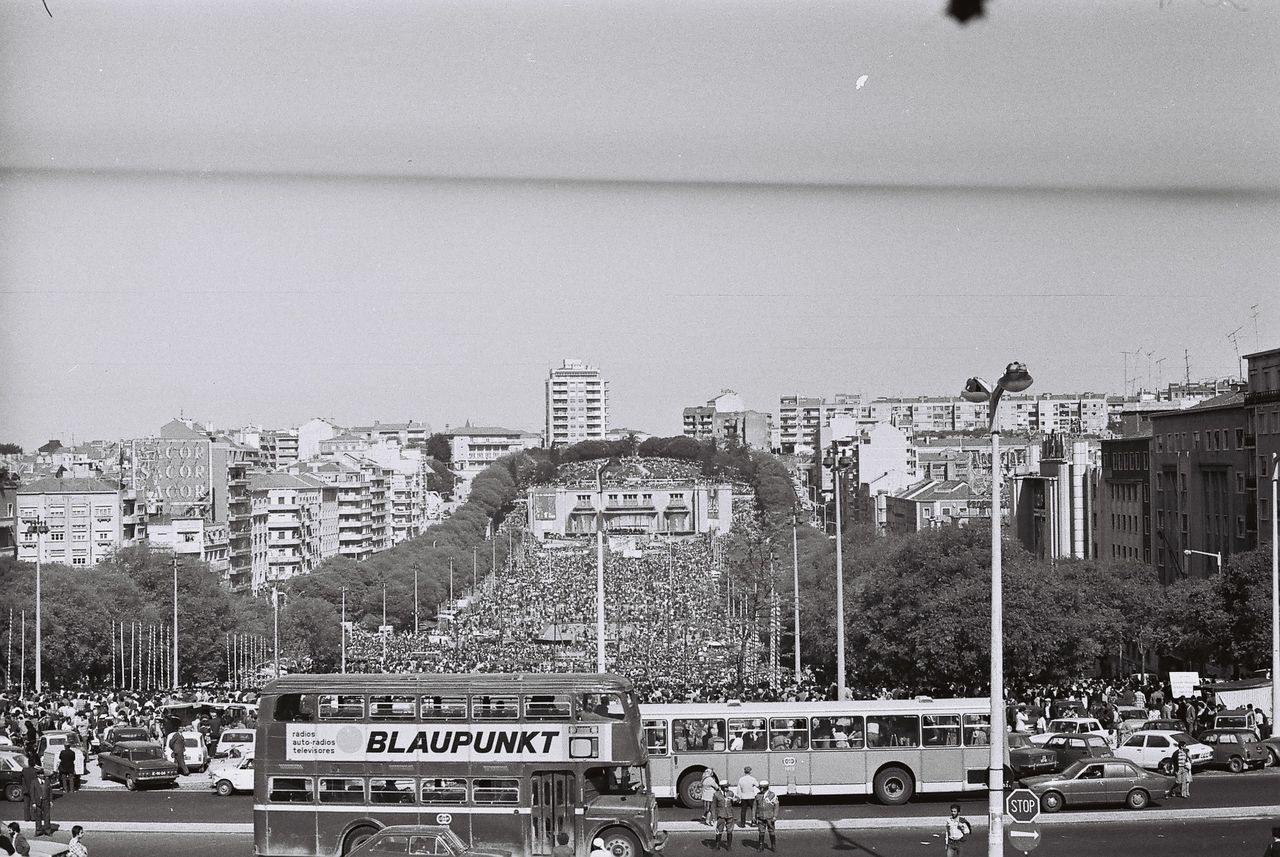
79	560
447	790
977	730
614	780
491	791
341	706
655	737
941	730
495	707
697	734
57	536
602	705
390	844
1157	741
289	790
341	790
1135	741
893	730
837	733
789	733
391	791
547	707
384	707
747	734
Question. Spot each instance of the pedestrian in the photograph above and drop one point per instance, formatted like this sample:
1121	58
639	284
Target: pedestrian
1182	773
178	747
958	830
1273	850
6	843
29	774
67	769
709	783
42	804
747	788
75	848
724	817
21	846
766	812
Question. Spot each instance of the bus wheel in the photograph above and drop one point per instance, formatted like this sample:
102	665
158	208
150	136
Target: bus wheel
894	786
356	838
689	792
621	843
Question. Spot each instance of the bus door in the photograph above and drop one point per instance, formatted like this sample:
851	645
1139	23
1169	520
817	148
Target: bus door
552	821
788	771
942	763
748	748
662	770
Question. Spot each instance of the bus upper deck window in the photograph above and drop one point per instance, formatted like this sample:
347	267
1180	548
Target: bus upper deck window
495	707
546	707
601	705
295	708
341	706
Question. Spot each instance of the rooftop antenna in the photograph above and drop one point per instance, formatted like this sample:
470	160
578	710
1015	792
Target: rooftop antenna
1186	358
1236	342
1253	314
1160	371
1126	367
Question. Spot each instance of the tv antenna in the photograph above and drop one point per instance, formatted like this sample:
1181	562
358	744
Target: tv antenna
1236	342
1253	314
1127	355
1160	371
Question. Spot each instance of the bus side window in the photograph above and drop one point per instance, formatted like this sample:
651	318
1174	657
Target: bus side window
596	705
655	737
977	730
444	708
747	734
893	730
789	733
495	707
345	706
295	708
491	791
941	730
547	707
290	790
698	734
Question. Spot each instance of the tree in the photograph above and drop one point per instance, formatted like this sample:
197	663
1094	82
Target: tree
1244	592
10	449
440	448
310	632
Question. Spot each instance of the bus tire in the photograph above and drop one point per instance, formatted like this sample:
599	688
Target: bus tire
621	842
689	790
356	837
893	785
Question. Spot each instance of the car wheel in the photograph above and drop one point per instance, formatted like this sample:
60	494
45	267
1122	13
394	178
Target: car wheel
13	792
621	843
689	792
1236	764
1165	767
1273	756
224	788
131	782
1137	799
1051	801
893	786
356	838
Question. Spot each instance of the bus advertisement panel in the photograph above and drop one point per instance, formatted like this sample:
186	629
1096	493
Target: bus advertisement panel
538	765
887	748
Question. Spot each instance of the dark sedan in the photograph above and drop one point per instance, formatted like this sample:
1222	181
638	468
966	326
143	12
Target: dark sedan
1272	746
137	763
1094	781
1026	759
421	839
1236	749
1069	748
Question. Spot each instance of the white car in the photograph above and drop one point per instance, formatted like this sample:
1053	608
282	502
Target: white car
1154	748
195	756
49	748
1073	726
241	740
229	779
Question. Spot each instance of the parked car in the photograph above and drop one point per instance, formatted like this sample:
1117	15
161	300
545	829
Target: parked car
1154	749
1272	746
241	740
11	763
116	734
1238	718
1092	781
1068	748
1072	726
421	839
195	756
227	779
1237	749
1067	708
137	764
49	747
1028	760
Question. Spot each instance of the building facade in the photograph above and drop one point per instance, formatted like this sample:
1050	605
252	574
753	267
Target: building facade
1052	513
1122	515
933	503
473	448
726	418
671	508
1262	428
577	399
87	518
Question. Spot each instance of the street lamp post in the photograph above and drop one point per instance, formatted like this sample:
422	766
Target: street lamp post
795	592
1275	589
838	462
1015	379
1216	555
175	621
38	528
344	629
415	598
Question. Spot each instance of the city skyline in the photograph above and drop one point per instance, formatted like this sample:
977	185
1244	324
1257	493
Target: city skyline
224	210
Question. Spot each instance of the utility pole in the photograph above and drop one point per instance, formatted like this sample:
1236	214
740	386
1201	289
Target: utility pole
175	622
1186	359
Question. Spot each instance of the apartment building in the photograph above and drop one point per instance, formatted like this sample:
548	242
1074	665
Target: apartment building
288	512
1052	512
577	401
1122	516
87	519
1262	429
801	418
726	419
933	503
411	433
195	538
473	448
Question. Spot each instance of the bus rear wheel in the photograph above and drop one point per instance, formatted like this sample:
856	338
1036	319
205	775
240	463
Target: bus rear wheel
621	843
689	791
356	838
894	786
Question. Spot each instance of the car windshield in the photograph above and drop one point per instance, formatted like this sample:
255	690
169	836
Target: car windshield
1062	726
1019	741
453	839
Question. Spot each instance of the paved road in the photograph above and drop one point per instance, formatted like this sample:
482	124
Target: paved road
1192	838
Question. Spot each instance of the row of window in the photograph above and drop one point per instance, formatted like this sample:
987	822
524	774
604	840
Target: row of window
395	707
1215	439
851	732
487	791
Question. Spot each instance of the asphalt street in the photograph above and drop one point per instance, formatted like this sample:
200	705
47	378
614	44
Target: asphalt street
1220	838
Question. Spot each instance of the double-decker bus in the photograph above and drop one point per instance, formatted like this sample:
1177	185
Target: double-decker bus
887	748
538	764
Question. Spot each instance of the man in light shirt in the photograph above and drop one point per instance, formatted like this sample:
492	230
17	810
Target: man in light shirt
747	788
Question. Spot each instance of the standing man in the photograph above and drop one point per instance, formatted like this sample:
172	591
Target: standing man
766	810
75	848
958	830
1182	772
724	817
67	769
42	804
178	746
747	788
29	776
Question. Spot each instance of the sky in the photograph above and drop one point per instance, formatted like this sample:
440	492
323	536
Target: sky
263	212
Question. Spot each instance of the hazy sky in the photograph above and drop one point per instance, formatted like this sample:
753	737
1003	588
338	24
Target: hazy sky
261	212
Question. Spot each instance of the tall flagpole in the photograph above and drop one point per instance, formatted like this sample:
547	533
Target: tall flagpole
175	621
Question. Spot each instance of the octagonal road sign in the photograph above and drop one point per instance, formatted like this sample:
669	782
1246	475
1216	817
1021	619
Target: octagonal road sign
1022	805
1024	837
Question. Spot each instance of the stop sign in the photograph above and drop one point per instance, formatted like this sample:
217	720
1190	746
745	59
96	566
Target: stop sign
1022	805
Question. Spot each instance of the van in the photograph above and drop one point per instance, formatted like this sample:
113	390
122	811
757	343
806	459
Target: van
240	740
1237	718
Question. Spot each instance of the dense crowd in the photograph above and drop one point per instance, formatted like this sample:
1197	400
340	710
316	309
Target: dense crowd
630	470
